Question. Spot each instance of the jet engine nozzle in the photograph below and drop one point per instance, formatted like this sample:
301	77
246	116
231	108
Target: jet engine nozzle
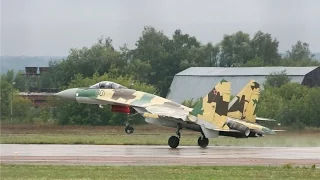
239	127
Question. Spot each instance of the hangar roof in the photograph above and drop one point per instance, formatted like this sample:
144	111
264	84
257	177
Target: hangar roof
244	71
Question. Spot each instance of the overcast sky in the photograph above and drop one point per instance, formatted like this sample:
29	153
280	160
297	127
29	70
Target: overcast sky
52	27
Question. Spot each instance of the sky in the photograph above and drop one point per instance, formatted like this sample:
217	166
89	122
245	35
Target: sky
53	27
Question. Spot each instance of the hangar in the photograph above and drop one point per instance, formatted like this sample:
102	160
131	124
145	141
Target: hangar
195	82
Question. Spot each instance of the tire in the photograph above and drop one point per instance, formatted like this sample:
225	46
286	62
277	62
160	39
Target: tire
129	129
203	142
173	141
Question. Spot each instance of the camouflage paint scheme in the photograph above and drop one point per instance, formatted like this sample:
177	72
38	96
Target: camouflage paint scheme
145	103
211	113
214	107
243	105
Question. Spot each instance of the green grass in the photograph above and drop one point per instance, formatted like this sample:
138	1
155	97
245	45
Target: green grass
143	135
156	172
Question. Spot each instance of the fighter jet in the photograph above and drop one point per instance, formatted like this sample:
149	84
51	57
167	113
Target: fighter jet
209	117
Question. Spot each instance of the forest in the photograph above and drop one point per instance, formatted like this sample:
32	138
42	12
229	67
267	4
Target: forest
151	66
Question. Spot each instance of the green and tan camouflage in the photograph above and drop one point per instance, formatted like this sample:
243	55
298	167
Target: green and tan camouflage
243	105
147	104
213	108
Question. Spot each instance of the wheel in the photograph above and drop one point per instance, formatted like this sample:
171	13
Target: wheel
173	141
129	129
203	142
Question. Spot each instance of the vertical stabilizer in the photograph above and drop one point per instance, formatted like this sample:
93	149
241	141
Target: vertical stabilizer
243	105
213	107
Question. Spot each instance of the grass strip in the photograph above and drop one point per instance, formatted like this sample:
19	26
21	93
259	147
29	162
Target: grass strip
157	172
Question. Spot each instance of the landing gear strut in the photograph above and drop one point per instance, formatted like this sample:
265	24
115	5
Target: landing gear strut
203	141
174	141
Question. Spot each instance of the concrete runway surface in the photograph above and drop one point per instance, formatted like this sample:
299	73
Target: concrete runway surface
157	155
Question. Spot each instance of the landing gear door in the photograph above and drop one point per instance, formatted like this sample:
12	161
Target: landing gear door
209	133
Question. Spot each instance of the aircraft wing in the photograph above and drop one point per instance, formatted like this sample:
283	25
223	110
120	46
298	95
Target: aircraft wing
162	111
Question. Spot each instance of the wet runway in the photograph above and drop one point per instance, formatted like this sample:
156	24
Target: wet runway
157	155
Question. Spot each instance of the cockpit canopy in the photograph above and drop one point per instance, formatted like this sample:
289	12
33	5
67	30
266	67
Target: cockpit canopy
107	85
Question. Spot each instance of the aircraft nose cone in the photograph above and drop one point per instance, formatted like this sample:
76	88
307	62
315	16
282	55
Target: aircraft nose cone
69	94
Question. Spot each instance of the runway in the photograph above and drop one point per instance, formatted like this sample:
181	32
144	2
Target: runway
157	155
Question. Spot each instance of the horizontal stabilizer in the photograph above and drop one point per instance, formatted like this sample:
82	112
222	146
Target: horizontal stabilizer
278	130
264	119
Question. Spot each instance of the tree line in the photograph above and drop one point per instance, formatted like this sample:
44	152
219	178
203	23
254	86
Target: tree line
151	65
157	58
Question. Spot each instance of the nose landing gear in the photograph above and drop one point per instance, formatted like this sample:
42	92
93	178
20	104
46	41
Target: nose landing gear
129	129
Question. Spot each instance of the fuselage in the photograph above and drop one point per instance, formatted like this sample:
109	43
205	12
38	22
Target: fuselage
126	97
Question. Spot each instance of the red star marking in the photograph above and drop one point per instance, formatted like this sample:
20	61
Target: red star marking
215	92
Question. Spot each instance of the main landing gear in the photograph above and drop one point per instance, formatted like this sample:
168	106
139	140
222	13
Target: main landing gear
203	141
174	141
